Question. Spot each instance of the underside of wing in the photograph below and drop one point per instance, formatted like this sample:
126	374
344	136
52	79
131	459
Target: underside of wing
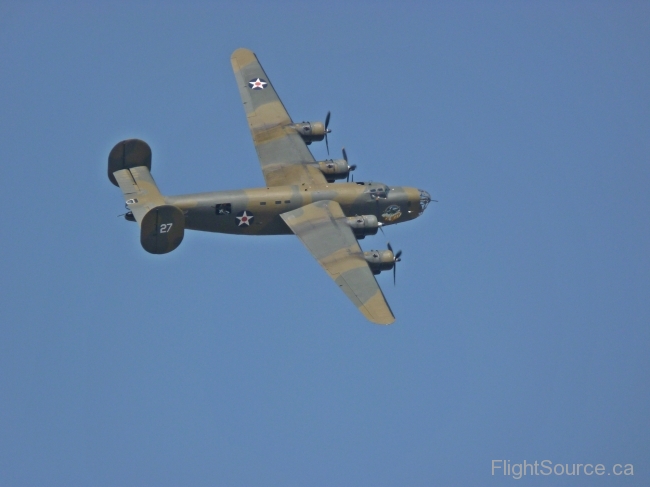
283	154
322	229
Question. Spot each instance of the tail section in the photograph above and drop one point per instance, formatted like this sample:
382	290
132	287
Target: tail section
127	154
162	226
162	229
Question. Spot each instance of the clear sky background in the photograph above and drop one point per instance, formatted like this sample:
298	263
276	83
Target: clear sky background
523	297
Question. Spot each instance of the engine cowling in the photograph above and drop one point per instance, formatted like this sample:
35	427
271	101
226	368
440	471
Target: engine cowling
311	131
380	260
363	225
334	169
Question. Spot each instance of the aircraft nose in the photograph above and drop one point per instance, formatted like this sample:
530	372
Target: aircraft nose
425	199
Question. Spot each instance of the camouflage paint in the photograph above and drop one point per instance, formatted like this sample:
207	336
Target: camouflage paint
321	228
297	199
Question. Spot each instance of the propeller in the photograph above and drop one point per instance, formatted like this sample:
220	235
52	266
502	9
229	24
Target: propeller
350	168
396	259
327	131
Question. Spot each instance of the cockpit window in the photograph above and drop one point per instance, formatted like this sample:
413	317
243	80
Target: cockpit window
378	192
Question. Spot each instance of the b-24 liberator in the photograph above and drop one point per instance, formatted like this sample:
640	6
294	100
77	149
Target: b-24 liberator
301	196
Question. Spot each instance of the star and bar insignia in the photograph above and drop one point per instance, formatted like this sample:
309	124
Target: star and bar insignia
245	218
257	84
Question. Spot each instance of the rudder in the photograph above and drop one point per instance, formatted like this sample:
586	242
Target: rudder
127	154
162	229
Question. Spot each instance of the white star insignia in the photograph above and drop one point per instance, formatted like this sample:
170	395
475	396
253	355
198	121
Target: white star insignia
258	84
245	219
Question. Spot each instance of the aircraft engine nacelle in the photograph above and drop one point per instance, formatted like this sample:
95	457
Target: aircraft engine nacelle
162	229
334	169
127	154
311	131
380	260
363	225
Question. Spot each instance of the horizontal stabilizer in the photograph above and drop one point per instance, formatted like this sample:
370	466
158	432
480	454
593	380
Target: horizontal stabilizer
140	191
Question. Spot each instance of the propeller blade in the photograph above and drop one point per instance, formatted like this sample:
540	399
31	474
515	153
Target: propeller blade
350	168
327	131
396	259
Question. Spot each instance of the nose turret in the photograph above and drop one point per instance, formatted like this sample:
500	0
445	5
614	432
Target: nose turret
425	199
417	201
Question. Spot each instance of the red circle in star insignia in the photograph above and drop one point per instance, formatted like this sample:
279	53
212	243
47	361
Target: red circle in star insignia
244	218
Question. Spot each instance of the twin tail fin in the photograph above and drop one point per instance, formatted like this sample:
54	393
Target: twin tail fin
162	226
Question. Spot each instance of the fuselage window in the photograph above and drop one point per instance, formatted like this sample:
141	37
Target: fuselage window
223	209
278	202
262	202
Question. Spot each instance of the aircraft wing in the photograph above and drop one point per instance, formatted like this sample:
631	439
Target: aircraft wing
139	189
282	152
321	227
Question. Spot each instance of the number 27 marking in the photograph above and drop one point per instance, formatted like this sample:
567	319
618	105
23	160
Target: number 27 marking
165	227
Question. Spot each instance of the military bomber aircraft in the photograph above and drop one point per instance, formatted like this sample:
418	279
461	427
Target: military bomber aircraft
300	197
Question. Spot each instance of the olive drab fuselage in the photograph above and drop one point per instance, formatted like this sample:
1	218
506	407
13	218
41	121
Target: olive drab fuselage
257	211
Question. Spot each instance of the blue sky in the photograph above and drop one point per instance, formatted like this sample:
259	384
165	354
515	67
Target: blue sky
522	300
